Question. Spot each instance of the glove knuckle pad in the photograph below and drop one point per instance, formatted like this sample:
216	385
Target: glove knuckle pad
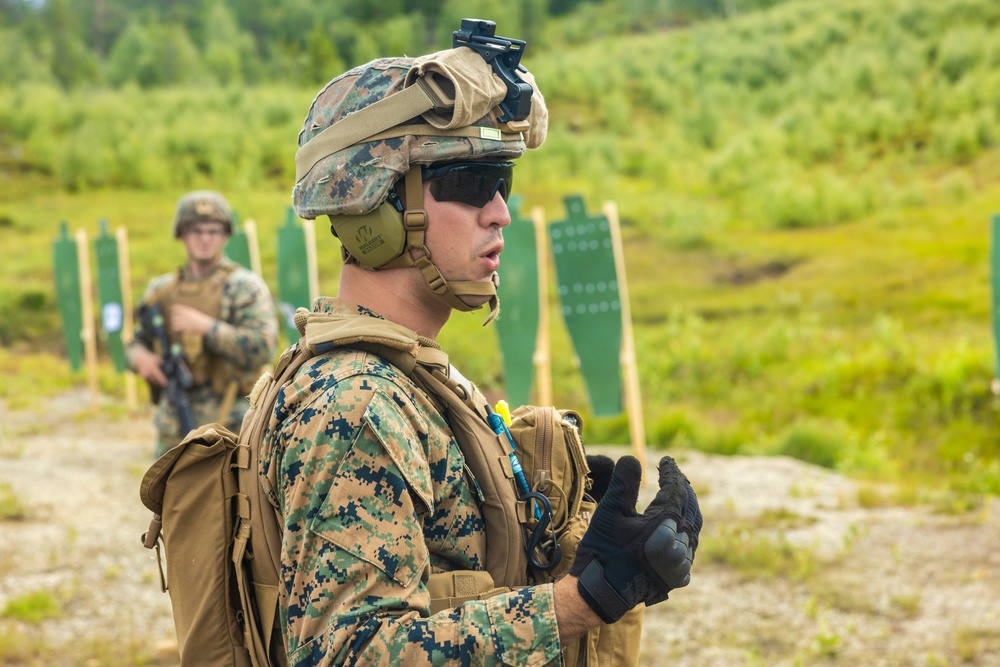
668	555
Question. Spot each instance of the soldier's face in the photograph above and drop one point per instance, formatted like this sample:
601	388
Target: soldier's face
204	241
465	241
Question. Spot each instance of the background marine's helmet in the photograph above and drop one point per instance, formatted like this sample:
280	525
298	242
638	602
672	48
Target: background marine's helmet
370	126
202	206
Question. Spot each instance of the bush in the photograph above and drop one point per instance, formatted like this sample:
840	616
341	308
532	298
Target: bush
33	607
962	49
11	507
813	441
675	425
28	313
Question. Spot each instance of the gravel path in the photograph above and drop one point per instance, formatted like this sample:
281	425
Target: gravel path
792	571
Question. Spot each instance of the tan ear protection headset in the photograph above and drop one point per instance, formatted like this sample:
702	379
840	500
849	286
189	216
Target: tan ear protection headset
383	237
375	238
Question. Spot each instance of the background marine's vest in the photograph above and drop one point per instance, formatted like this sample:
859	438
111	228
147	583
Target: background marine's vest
206	295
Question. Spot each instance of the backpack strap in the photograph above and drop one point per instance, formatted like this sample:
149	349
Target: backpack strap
257	545
487	457
464	407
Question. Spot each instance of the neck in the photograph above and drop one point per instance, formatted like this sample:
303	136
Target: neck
399	295
201	268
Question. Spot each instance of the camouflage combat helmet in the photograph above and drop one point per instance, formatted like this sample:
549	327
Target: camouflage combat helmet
368	127
202	206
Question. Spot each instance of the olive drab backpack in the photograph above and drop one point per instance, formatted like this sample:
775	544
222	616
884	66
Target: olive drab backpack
221	537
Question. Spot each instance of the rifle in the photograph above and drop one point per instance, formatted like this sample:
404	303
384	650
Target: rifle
174	367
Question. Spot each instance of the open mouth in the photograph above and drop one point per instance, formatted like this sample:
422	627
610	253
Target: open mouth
492	256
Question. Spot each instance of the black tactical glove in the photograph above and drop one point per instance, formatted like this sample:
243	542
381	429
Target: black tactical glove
626	558
601	467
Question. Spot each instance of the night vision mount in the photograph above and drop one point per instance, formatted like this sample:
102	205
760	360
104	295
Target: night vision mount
504	55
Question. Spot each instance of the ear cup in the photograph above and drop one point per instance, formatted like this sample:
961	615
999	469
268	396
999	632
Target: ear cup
375	238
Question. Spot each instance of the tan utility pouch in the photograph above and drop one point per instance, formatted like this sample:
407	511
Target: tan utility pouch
190	491
552	455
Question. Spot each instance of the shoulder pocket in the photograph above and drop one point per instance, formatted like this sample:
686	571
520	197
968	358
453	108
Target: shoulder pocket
377	494
399	439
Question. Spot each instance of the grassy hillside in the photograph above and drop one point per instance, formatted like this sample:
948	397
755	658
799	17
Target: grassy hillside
805	192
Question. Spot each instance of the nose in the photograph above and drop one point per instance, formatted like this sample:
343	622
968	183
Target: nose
495	212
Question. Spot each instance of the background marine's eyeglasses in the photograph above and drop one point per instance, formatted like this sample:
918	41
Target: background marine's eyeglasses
213	230
472	183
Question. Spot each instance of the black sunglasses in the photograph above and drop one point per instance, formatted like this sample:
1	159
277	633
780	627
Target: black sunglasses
472	183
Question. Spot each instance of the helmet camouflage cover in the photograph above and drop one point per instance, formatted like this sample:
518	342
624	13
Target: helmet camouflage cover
202	206
355	180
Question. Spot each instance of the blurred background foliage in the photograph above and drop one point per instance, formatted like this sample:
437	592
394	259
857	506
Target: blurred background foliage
805	189
153	43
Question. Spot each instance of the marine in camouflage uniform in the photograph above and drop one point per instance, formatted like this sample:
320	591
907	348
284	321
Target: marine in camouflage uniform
371	486
239	338
370	483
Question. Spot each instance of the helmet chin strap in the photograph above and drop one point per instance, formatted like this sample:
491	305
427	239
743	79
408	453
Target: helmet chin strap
453	293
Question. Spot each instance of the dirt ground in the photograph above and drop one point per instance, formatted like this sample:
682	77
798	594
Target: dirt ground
883	586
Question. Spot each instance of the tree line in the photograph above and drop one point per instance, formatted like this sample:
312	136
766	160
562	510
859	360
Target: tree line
159	43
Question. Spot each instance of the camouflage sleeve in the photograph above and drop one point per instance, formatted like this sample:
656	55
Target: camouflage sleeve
246	332
358	485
